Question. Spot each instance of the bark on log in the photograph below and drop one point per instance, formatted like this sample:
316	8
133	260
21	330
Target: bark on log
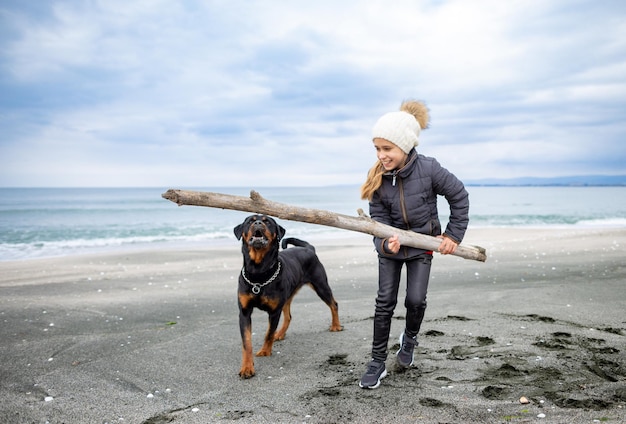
257	204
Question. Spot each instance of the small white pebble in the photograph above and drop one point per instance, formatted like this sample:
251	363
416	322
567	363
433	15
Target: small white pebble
195	410
150	396
48	399
541	415
50	359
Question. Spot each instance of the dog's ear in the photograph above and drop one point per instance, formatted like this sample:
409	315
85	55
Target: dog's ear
238	230
280	232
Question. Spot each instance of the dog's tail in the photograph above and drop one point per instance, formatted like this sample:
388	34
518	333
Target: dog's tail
296	242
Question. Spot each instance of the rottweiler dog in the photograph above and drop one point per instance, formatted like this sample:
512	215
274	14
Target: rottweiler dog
270	279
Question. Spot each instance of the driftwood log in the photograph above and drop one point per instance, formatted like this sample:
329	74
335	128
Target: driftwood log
257	204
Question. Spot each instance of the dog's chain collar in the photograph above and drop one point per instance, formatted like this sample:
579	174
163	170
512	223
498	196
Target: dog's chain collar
256	287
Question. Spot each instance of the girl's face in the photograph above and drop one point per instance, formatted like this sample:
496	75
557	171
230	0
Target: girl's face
390	155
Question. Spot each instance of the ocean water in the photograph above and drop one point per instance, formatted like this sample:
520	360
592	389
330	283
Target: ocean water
45	222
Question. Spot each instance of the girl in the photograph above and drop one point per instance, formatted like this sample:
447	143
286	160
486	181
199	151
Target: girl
402	189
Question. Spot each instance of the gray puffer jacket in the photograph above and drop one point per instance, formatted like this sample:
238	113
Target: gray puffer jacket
407	199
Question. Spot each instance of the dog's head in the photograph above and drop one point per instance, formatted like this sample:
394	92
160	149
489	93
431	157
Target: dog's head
259	234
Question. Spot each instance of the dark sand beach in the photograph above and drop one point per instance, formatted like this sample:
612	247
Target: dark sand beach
152	337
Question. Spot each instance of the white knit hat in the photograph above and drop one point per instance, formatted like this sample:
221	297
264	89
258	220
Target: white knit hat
400	128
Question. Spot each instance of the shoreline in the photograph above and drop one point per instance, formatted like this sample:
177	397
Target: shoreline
334	237
152	336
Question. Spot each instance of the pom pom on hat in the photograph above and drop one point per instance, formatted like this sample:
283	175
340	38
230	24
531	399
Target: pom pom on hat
403	128
418	110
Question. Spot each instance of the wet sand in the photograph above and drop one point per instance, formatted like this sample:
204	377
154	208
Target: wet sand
153	337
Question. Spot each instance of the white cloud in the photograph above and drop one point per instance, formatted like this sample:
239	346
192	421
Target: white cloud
187	93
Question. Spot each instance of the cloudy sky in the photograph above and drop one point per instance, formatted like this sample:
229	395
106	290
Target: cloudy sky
202	93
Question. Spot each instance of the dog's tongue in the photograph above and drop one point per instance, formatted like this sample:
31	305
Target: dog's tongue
257	242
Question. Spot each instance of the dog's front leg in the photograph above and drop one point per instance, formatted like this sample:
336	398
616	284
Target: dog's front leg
274	318
245	327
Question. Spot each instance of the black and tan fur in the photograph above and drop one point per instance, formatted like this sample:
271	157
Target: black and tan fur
276	288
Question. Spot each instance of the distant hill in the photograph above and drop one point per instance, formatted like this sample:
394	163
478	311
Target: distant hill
576	180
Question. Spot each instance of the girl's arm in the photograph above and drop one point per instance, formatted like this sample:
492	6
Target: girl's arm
448	185
380	213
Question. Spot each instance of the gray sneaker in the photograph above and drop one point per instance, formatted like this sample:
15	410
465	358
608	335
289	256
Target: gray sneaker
375	372
404	355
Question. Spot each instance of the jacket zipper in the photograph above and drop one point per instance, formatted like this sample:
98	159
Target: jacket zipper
405	216
404	213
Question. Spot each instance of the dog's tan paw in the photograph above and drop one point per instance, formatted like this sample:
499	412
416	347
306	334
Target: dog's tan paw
246	372
264	352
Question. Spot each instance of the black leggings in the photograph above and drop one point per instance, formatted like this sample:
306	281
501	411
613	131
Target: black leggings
417	276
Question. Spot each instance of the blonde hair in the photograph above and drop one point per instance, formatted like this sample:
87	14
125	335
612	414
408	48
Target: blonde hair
375	175
373	181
